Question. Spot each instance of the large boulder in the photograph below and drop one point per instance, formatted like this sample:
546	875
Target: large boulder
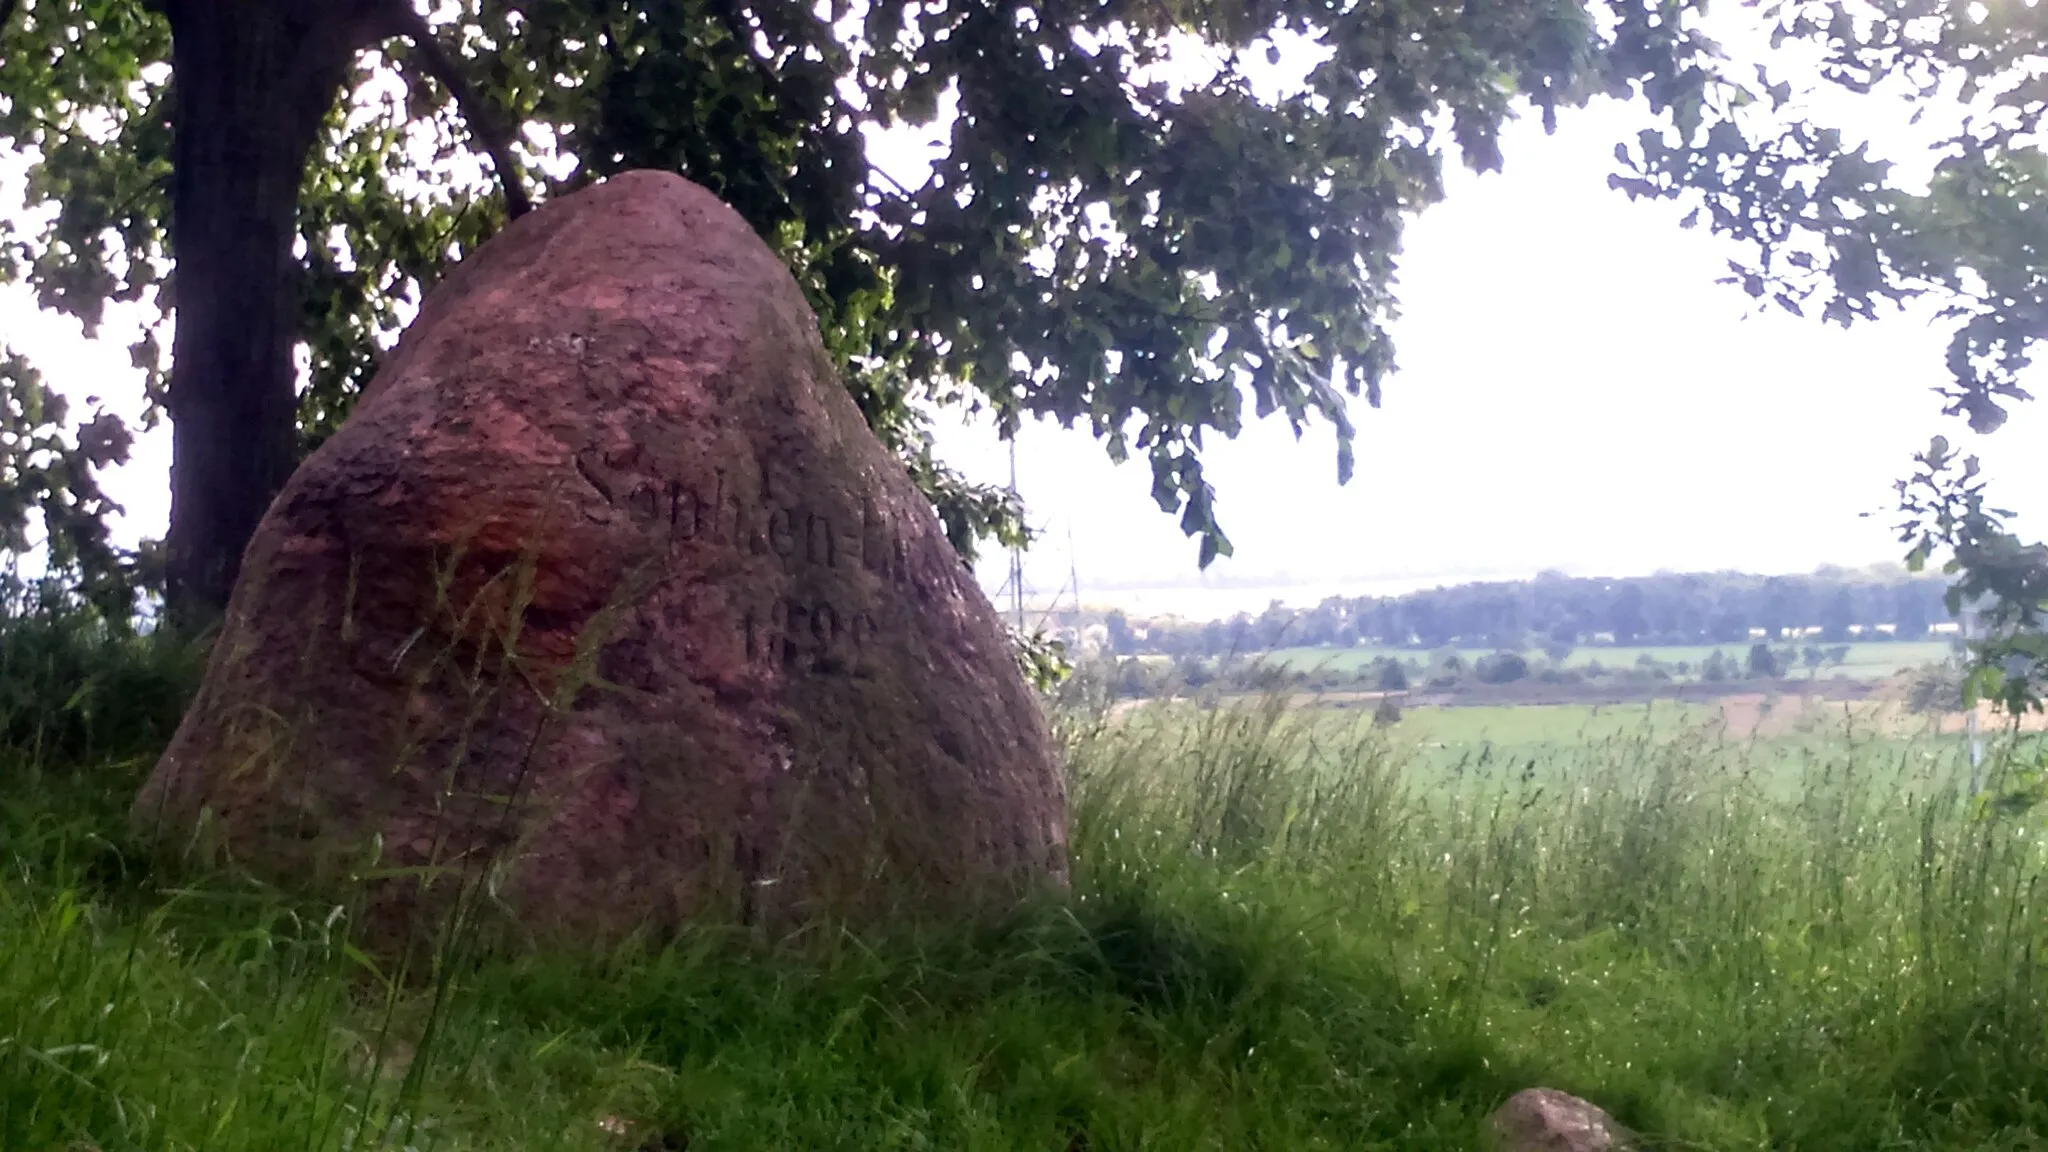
606	598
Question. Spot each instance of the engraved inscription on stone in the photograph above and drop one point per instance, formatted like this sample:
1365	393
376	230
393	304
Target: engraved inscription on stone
789	530
802	637
792	635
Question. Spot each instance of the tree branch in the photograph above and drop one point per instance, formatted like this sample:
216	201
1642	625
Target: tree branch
494	136
7	13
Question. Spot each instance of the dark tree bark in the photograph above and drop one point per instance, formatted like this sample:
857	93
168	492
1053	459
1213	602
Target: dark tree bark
252	82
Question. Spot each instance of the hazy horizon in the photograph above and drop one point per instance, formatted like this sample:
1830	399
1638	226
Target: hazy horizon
1207	596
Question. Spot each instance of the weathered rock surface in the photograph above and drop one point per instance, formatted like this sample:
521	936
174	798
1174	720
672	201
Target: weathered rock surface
606	591
1546	1120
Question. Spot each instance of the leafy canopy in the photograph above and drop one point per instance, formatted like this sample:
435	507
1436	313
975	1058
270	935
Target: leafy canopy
1098	244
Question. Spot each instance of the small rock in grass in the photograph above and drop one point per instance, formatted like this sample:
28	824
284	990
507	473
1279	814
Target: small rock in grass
1546	1120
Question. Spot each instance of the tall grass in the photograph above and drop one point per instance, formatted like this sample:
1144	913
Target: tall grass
1287	930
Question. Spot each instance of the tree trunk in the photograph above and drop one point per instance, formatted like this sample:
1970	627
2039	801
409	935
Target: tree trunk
252	82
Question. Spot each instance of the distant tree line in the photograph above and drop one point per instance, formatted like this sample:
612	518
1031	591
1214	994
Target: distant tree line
1554	613
1450	671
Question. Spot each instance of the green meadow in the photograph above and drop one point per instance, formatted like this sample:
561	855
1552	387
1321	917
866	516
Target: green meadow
1287	929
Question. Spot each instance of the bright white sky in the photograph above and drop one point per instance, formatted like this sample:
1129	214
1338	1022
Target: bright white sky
1575	392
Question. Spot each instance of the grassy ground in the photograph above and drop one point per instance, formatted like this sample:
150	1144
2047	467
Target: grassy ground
1287	931
1545	729
1872	661
1807	724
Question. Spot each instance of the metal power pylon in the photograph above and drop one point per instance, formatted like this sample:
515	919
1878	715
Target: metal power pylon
1016	553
